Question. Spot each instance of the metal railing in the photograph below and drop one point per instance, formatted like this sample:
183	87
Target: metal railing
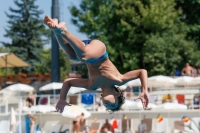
7	103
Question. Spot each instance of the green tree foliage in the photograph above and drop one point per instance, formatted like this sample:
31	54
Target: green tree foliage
45	66
138	33
64	66
27	33
10	71
190	15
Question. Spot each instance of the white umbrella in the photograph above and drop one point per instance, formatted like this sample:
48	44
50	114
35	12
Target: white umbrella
195	81
74	111
140	106
74	90
42	108
161	81
38	108
122	87
19	87
129	104
184	80
51	86
135	82
170	106
136	105
56	86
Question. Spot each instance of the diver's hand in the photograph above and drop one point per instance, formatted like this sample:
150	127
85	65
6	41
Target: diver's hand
144	99
61	105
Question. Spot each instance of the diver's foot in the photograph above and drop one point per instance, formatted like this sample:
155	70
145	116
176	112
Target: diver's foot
54	26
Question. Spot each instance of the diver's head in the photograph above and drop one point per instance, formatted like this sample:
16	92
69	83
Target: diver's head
113	102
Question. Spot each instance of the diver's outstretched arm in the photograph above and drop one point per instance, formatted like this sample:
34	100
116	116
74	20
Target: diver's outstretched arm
76	82
142	74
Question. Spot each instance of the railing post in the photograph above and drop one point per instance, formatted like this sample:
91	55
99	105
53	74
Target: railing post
49	99
35	100
20	110
94	100
6	107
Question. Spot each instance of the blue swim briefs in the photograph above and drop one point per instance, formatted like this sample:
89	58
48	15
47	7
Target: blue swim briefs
92	61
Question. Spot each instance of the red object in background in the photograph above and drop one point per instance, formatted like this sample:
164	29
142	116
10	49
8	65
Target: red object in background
44	101
114	124
180	98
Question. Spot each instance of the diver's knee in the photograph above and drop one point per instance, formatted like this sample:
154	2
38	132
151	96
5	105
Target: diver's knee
144	71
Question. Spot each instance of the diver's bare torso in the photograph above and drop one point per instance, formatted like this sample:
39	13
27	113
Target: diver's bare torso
103	73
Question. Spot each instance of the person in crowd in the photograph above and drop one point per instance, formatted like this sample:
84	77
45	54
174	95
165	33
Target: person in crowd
78	122
29	102
129	92
126	124
102	72
187	70
142	127
167	98
198	70
97	105
108	126
31	125
87	129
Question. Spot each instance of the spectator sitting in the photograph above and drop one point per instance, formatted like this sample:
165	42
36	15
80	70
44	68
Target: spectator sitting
129	92
31	126
142	127
167	98
187	70
108	127
29	102
196	100
78	122
87	130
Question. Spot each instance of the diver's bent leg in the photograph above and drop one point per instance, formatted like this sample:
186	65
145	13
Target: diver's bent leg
66	47
60	29
75	43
